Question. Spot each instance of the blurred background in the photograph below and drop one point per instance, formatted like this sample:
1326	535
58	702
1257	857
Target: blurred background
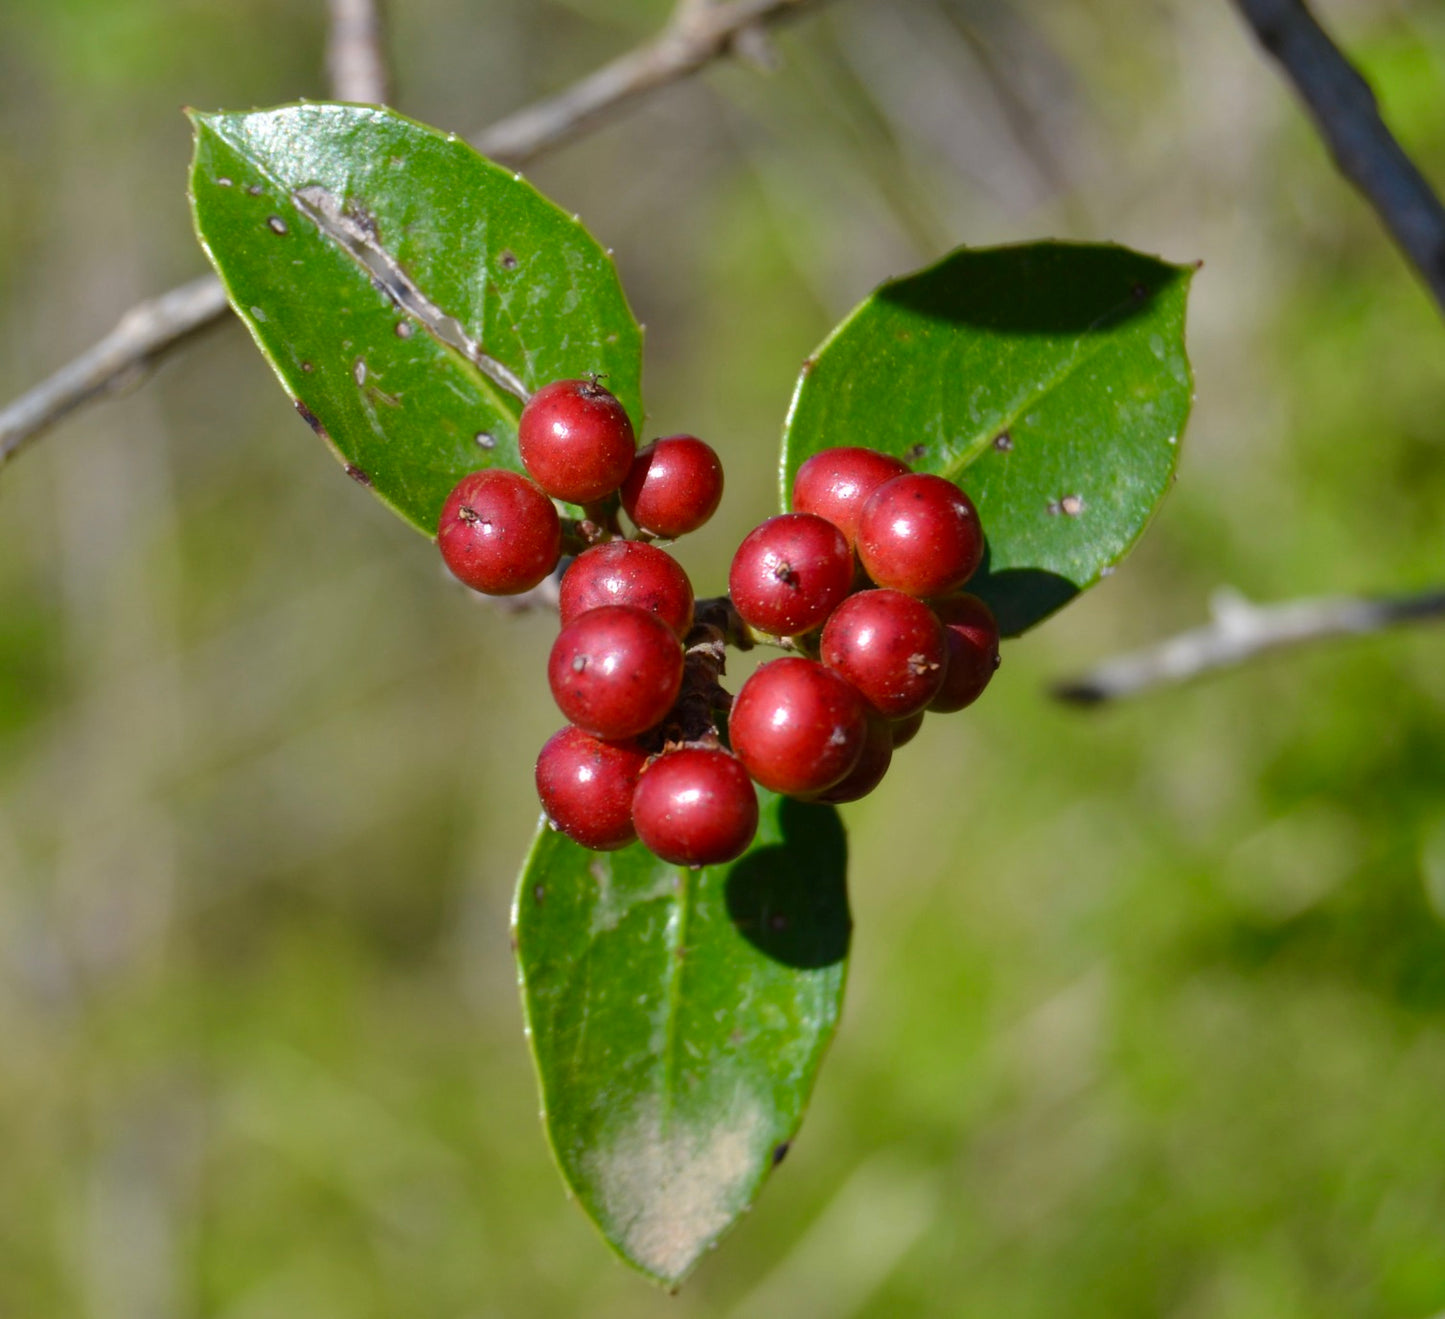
1153	1024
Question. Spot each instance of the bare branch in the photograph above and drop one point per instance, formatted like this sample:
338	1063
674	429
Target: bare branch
1348	118
696	34
144	334
355	52
1240	631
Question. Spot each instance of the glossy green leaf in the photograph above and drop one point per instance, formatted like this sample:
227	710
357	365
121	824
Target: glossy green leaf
677	1020
1049	380
405	290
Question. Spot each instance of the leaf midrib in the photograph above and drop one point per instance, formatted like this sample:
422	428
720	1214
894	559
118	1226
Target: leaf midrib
1095	343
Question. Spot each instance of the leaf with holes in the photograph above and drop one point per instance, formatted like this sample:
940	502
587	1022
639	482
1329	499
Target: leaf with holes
1049	380
677	1020
405	290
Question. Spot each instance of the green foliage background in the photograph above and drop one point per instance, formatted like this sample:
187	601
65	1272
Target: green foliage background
1153	1023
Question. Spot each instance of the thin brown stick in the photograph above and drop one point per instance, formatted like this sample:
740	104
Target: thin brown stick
1347	117
143	335
697	34
355	52
1240	631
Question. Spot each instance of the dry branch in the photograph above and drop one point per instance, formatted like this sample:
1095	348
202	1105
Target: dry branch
356	52
1240	631
1347	117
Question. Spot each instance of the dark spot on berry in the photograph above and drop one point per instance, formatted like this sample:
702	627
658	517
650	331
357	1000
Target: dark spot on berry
508	259
310	418
357	475
468	514
1003	442
915	453
785	574
780	1152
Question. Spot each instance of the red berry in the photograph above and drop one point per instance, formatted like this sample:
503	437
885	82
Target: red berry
615	671
674	486
790	573
695	807
905	730
835	484
586	785
890	647
576	440
972	636
797	727
872	765
498	533
919	534
627	572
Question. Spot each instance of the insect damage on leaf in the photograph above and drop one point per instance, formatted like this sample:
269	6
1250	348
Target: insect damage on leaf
354	230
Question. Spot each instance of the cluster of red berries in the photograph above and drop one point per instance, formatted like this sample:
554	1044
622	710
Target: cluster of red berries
862	582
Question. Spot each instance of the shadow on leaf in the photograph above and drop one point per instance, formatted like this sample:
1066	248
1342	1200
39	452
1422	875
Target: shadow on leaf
789	898
1020	598
1040	288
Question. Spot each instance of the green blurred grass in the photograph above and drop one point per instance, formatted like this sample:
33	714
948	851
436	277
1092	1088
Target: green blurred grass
1154	1021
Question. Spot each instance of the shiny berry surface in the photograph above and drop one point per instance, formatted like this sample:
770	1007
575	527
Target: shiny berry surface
586	786
696	806
628	572
790	573
972	636
919	534
499	533
873	762
890	647
674	486
615	671
797	727
835	483
576	440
